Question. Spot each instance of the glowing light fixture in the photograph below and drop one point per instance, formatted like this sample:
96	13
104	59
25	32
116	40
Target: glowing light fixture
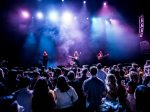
25	14
39	15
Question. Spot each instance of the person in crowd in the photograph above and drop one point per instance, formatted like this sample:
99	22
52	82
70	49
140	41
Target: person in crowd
111	102
94	89
57	73
35	77
134	78
134	67
9	104
100	74
82	98
65	96
24	95
112	87
74	82
121	87
130	99
11	82
42	100
142	96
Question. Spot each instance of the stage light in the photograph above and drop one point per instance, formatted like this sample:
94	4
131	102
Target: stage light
87	18
25	14
84	2
75	17
67	17
105	4
39	15
53	16
62	0
93	19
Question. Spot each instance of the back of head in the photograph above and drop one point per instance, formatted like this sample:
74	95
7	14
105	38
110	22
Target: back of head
8	104
134	65
41	87
36	74
24	81
119	66
93	70
111	79
57	72
147	81
71	75
134	76
111	85
62	84
99	66
84	71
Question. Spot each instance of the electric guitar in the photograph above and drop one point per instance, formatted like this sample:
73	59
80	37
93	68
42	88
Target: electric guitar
100	57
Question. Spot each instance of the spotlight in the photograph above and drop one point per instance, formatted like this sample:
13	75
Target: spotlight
53	16
93	19
105	4
25	14
62	0
67	17
39	15
84	2
87	18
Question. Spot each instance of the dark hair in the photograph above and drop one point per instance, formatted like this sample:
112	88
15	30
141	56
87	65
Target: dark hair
111	79
146	80
8	104
57	72
134	76
42	100
93	70
99	65
24	81
71	75
2	89
41	88
36	74
62	84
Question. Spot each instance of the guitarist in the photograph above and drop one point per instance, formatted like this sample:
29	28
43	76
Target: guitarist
101	56
75	58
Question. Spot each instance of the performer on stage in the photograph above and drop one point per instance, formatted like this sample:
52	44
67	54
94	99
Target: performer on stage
75	58
100	55
45	59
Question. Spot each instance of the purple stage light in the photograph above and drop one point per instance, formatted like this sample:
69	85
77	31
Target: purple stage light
25	14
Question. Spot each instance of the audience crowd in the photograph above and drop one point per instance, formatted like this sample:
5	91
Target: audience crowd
95	88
